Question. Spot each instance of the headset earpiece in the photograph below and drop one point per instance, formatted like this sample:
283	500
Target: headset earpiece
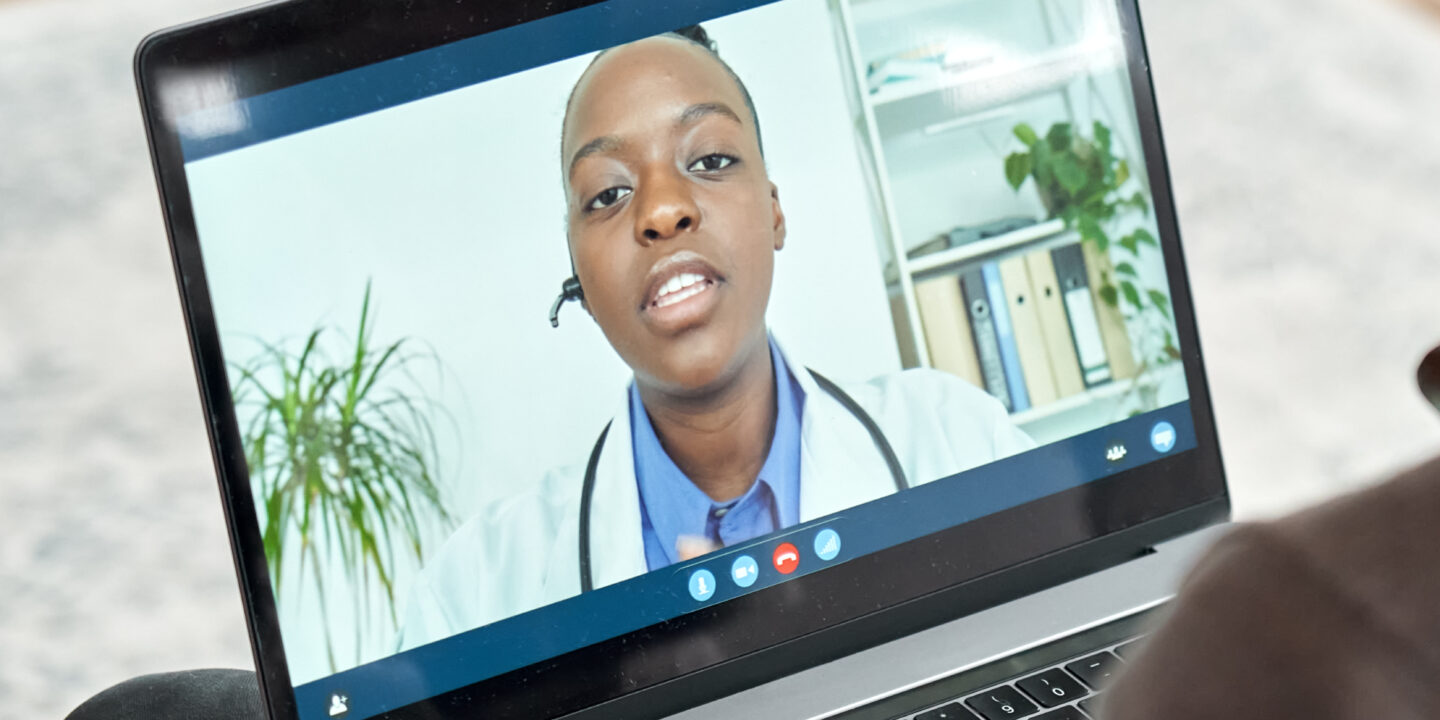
569	290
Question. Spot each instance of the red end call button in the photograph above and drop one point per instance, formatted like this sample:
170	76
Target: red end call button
787	558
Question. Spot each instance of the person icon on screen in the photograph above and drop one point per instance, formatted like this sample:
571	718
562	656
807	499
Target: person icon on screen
721	437
339	705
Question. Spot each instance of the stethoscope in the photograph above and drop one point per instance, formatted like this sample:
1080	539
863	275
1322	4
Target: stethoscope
571	290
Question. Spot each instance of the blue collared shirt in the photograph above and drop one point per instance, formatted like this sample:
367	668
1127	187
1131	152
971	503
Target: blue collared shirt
671	505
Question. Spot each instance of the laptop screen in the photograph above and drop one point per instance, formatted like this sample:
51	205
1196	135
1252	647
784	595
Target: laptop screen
625	319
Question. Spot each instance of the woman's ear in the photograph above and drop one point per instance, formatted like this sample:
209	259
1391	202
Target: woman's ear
779	214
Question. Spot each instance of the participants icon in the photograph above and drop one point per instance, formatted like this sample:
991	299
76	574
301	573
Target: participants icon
1115	451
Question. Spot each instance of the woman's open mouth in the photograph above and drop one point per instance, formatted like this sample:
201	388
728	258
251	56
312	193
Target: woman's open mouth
681	292
680	288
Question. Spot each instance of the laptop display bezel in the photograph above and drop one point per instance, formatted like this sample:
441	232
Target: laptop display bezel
926	582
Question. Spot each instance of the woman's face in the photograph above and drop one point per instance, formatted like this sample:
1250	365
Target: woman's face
673	222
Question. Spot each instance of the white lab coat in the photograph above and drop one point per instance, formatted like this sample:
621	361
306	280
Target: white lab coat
522	553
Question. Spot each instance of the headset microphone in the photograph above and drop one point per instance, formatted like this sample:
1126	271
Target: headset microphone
569	290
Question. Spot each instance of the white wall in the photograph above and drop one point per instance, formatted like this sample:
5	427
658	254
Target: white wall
452	205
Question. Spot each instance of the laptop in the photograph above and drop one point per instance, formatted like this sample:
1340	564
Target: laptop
627	358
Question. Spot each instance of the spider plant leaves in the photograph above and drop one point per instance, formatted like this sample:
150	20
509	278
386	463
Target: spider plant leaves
343	460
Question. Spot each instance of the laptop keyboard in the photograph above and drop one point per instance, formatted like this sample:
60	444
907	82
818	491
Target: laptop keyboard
1066	691
1061	680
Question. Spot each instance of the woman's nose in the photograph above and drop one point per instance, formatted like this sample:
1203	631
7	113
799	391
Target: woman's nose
667	209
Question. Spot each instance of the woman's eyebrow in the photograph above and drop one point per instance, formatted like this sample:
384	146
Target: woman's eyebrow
695	113
605	143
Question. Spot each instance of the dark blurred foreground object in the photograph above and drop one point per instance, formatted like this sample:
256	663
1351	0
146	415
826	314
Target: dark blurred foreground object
1330	614
1429	375
194	694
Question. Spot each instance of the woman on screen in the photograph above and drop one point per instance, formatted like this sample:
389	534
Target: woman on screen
722	437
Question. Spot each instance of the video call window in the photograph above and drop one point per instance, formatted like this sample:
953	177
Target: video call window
820	253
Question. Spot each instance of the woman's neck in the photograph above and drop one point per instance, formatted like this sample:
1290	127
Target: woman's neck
720	440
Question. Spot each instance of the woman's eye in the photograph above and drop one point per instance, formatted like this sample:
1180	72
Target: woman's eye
711	163
608	197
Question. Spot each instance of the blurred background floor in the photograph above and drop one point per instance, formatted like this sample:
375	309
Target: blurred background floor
1304	168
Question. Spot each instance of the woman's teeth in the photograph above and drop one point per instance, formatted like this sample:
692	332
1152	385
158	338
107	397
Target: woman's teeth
681	287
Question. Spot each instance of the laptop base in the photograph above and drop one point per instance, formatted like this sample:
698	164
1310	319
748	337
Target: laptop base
854	686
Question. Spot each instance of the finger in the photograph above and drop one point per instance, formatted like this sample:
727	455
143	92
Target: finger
691	546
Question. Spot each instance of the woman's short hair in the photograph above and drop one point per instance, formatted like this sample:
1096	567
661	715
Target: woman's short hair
697	35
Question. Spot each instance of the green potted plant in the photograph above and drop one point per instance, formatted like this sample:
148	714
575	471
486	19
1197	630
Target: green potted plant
342	459
1081	181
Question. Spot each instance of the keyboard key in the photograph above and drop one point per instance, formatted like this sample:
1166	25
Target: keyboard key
1094	670
1001	702
1053	687
1089	704
1065	713
1127	650
953	711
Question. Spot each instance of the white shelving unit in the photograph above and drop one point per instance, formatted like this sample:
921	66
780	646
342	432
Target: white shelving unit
920	104
1005	61
1035	237
952	100
1007	81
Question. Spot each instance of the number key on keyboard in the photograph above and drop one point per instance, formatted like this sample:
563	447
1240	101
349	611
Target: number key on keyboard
953	711
1128	649
1094	670
1002	702
1065	713
1052	687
